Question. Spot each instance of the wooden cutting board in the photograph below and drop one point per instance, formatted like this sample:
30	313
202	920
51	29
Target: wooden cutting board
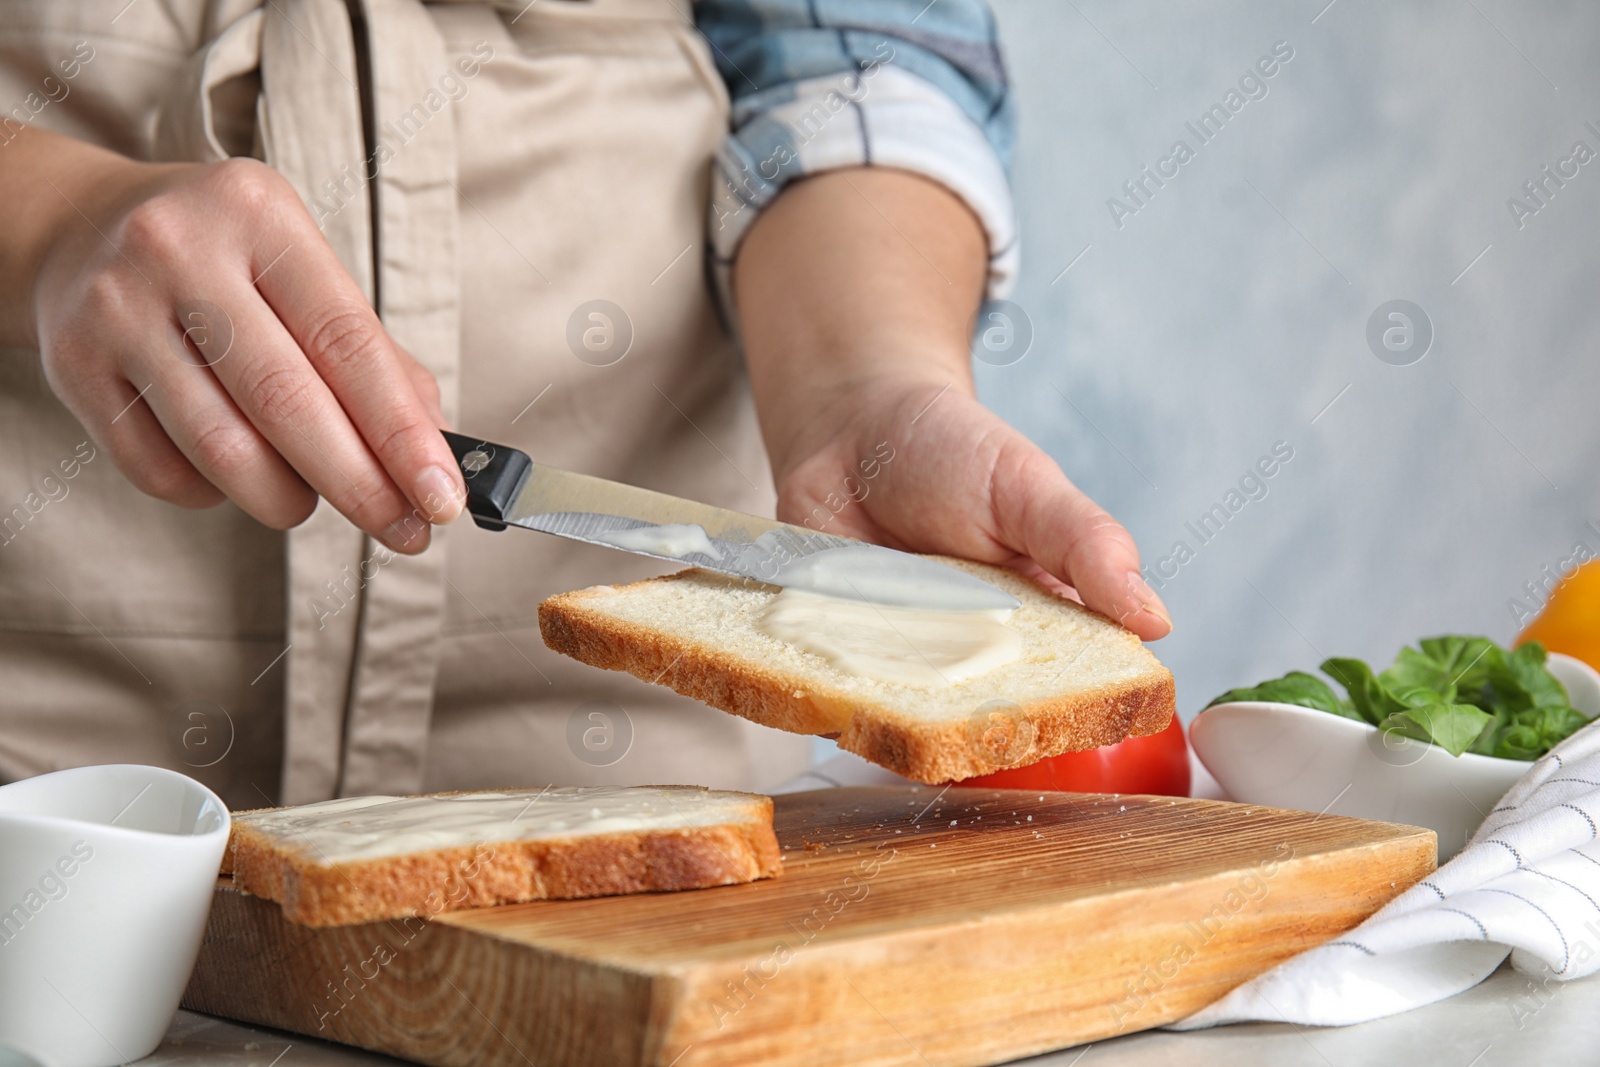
911	926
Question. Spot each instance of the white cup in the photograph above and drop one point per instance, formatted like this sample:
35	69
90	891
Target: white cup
106	877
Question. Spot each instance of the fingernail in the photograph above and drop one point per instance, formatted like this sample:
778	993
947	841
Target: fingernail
440	494
408	535
1140	590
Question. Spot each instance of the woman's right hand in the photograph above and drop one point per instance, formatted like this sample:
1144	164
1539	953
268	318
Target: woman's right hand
196	322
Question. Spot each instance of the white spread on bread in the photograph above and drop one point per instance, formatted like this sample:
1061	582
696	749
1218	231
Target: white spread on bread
907	646
675	541
881	576
365	828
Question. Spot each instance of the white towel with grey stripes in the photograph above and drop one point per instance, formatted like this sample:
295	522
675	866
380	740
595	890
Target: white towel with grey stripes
1527	884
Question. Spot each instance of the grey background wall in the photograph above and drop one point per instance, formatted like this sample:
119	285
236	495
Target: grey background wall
1230	310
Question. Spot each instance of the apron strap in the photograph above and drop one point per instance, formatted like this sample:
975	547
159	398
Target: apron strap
309	125
414	145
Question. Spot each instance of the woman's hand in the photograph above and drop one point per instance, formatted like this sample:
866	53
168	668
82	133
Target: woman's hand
926	468
857	290
196	322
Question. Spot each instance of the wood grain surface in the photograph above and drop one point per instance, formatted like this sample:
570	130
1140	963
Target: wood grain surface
911	926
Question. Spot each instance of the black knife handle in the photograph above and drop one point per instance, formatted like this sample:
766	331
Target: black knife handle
494	475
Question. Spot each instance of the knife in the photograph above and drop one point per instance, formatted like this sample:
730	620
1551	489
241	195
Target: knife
506	488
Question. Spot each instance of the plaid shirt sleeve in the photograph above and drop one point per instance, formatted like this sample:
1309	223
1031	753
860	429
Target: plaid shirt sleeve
821	84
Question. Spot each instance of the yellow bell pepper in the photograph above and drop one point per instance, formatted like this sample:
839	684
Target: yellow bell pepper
1570	619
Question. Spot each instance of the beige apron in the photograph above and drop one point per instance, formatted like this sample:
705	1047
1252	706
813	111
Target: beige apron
532	161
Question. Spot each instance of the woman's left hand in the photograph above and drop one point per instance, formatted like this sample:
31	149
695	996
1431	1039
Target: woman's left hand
926	468
857	291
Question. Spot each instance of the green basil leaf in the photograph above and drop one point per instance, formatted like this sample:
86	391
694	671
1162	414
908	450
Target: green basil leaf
1413	668
1369	697
1462	660
1518	681
1532	733
1518	741
1462	693
1416	696
1296	687
1526	666
1452	727
1488	742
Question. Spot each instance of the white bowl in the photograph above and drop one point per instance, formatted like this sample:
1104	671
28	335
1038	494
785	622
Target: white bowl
106	877
1286	756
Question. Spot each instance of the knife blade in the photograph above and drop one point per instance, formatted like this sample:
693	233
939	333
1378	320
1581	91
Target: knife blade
506	488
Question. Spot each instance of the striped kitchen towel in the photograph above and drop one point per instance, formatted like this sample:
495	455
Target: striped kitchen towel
1527	884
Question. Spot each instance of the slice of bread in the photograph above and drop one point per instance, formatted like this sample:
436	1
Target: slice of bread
1082	680
363	859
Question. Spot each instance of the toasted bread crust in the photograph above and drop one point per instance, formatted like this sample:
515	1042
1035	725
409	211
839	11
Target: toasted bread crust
424	884
949	752
931	752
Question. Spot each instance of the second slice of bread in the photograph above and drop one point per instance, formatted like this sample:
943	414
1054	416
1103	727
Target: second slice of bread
363	859
1082	681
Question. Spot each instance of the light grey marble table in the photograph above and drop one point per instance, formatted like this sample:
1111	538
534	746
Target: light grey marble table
1505	1021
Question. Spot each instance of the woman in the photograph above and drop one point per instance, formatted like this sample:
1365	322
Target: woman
226	463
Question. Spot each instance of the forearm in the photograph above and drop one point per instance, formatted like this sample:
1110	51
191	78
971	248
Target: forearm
850	281
45	180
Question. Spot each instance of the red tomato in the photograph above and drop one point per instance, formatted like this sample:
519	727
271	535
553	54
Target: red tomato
1156	764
